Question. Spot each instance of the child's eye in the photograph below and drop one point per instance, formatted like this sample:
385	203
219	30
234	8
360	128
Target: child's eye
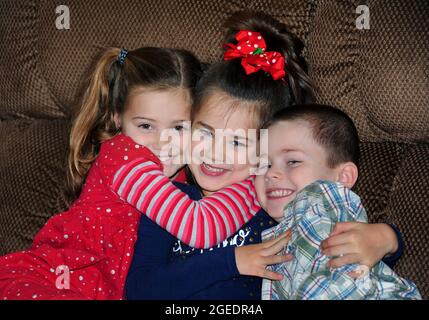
182	126
179	127
264	166
206	133
145	126
293	162
237	144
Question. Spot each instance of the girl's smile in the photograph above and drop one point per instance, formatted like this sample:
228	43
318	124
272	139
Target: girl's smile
212	171
220	111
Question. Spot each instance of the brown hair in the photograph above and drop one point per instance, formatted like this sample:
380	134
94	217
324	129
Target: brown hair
332	129
105	94
266	96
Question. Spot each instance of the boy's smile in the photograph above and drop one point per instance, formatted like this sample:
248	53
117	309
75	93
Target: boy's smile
295	160
278	193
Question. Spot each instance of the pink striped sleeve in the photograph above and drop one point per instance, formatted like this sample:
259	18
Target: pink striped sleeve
201	224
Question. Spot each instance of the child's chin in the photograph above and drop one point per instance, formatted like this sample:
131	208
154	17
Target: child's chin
209	187
171	171
275	211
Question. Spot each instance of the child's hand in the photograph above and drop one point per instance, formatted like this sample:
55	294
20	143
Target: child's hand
253	259
360	243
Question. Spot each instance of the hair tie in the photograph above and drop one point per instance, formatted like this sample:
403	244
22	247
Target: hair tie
122	55
251	48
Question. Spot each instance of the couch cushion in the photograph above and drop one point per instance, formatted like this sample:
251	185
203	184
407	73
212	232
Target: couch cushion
379	163
194	25
44	65
378	76
23	90
393	184
32	178
409	209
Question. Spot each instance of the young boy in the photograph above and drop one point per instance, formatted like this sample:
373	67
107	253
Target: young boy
313	162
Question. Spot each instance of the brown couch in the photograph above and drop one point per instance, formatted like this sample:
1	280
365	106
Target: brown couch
379	76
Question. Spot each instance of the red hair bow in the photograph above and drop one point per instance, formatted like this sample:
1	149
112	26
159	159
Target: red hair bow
251	48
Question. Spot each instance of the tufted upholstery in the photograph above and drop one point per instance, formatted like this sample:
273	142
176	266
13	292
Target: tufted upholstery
378	76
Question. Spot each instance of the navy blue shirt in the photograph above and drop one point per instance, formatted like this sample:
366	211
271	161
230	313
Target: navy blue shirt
165	268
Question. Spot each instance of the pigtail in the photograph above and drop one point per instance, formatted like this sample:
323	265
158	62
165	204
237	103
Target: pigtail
94	122
278	38
116	73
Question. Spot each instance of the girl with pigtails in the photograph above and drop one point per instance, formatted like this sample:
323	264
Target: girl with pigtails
118	171
262	72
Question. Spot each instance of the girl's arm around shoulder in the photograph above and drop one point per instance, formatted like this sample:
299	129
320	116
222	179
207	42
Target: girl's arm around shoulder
135	175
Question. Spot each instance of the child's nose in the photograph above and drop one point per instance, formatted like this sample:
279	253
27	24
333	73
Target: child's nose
162	140
155	145
162	148
218	152
273	173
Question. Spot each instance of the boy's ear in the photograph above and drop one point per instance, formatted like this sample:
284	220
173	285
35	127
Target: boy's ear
348	174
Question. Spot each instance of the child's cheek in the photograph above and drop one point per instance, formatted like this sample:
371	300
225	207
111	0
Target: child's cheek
197	150
186	147
260	190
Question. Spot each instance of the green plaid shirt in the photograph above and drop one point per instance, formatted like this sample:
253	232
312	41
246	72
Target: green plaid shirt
312	216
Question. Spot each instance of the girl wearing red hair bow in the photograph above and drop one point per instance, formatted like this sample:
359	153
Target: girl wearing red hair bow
120	167
261	73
